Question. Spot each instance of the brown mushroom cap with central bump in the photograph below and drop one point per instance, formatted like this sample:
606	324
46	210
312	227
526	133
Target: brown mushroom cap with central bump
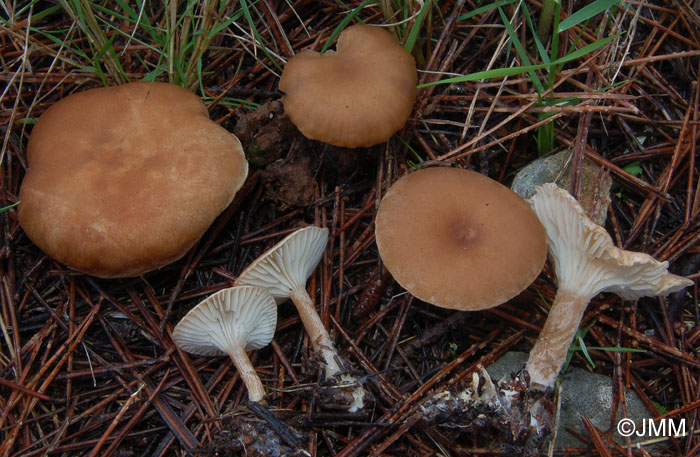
123	180
356	97
458	239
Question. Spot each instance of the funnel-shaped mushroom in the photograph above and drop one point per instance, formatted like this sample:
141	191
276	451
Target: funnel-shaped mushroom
231	321
283	270
586	263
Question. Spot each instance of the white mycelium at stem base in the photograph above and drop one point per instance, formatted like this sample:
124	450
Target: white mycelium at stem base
586	263
283	270
320	339
231	321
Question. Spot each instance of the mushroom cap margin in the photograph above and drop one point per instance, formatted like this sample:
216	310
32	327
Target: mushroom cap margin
288	264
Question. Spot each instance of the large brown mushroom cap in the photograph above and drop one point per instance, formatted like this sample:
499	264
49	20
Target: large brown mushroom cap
458	239
356	97
123	180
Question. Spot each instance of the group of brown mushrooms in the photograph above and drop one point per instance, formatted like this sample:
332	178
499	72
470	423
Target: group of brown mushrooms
460	240
124	180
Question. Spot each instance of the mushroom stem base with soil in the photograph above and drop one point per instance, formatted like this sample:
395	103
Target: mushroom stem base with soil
320	339
283	271
323	346
506	412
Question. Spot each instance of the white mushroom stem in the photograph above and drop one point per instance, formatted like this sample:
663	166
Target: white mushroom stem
320	339
229	322
256	391
549	353
283	271
586	263
323	345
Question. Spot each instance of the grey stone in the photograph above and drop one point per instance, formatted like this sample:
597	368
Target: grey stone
583	393
595	183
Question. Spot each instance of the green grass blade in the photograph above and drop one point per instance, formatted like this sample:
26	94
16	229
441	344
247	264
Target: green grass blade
589	48
501	72
487	74
199	76
484	8
585	351
36	17
545	135
5	208
256	34
82	12
411	150
142	21
224	25
538	43
132	13
77	51
586	13
135	39
415	28
520	50
555	42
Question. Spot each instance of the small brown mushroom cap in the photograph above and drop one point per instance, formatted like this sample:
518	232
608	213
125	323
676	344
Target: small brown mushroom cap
123	180
458	239
356	97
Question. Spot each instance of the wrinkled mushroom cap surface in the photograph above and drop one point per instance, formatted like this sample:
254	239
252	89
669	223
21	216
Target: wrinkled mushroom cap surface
356	97
234	317
123	180
586	260
458	239
288	264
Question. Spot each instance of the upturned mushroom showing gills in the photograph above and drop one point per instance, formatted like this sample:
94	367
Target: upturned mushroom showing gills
356	97
283	270
586	263
458	239
124	180
231	321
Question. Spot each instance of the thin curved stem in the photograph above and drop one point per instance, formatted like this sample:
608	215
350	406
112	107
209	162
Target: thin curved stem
256	391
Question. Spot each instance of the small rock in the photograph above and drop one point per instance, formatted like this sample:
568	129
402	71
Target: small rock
595	183
583	394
